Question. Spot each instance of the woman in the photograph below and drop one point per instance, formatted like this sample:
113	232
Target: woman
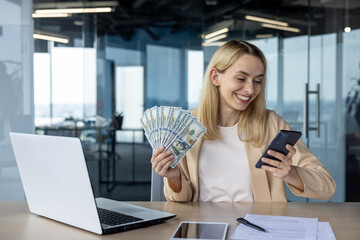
221	166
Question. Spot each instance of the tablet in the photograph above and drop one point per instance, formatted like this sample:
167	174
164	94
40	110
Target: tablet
200	231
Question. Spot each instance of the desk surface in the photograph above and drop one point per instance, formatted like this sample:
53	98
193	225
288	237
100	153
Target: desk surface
17	223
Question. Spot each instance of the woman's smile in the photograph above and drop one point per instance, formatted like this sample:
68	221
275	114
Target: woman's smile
242	98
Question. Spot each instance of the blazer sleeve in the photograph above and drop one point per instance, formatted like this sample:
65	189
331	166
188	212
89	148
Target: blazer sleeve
318	182
186	193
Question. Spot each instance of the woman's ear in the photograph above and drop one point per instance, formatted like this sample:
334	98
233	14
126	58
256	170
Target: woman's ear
214	76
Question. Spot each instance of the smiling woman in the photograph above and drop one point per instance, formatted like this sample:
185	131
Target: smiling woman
221	166
237	70
239	85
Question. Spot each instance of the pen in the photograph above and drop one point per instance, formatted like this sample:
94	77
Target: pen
249	224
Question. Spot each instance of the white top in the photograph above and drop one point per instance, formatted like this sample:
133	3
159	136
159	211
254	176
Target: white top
224	174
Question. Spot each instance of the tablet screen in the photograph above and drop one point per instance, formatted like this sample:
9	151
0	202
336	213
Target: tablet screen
200	230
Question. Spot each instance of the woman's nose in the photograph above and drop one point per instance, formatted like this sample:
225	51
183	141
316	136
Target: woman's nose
249	87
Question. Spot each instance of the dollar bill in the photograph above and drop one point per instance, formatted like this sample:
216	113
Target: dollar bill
174	128
182	121
153	119
185	140
164	112
172	119
146	128
152	127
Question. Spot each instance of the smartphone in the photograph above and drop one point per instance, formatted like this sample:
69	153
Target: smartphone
279	144
200	231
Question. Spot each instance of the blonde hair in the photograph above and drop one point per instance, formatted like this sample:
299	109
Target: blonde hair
252	121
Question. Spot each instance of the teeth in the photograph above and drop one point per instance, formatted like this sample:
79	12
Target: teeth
243	97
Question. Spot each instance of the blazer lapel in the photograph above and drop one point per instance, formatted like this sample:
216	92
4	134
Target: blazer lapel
259	182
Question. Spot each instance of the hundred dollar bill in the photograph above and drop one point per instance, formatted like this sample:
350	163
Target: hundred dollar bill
174	128
146	127
171	121
184	141
152	127
181	122
164	113
152	112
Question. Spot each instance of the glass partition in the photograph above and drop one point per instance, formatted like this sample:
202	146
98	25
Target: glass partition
350	89
16	89
137	55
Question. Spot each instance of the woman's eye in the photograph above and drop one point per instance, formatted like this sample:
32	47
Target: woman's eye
241	79
257	81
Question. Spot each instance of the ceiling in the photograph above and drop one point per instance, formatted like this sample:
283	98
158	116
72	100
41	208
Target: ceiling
201	16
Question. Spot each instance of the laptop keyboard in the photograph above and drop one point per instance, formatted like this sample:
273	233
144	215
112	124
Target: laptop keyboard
115	218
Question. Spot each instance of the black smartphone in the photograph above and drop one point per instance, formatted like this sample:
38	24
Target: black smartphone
279	144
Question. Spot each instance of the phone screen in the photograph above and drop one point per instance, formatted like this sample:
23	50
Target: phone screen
200	230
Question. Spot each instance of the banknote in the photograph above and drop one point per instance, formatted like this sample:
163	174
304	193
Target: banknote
184	141
172	127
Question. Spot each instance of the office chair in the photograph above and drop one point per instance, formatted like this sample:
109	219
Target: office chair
157	187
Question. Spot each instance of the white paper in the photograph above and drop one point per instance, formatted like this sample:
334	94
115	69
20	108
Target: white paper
325	231
278	228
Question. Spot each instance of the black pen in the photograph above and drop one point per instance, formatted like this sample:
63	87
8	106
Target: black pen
249	224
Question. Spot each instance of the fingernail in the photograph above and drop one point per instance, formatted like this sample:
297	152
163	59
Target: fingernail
168	151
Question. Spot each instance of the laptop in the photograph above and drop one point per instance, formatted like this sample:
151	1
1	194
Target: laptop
57	185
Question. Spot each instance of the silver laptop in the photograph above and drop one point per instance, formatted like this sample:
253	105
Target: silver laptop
57	186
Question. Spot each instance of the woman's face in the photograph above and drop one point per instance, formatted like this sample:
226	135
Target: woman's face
240	84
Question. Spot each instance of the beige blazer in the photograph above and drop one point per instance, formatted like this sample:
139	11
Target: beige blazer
318	182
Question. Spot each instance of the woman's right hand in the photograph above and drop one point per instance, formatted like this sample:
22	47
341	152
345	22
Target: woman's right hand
161	164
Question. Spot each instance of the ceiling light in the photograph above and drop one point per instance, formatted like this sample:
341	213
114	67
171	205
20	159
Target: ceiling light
264	35
211	2
347	29
216	38
53	15
218	32
73	4
265	20
78	23
213	44
74	10
257	42
290	29
50	38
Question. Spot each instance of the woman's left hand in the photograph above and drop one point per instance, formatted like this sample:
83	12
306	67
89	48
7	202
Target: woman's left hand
284	169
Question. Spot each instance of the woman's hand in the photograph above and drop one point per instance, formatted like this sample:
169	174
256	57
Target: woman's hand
283	169
161	163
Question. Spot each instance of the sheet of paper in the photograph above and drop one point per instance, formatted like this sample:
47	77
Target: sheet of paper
325	231
278	228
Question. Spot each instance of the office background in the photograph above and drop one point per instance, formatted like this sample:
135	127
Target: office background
142	53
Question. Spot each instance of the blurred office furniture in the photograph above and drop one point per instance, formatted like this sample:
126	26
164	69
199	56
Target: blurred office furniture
98	137
69	127
113	181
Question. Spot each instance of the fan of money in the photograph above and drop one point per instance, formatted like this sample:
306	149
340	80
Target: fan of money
172	127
